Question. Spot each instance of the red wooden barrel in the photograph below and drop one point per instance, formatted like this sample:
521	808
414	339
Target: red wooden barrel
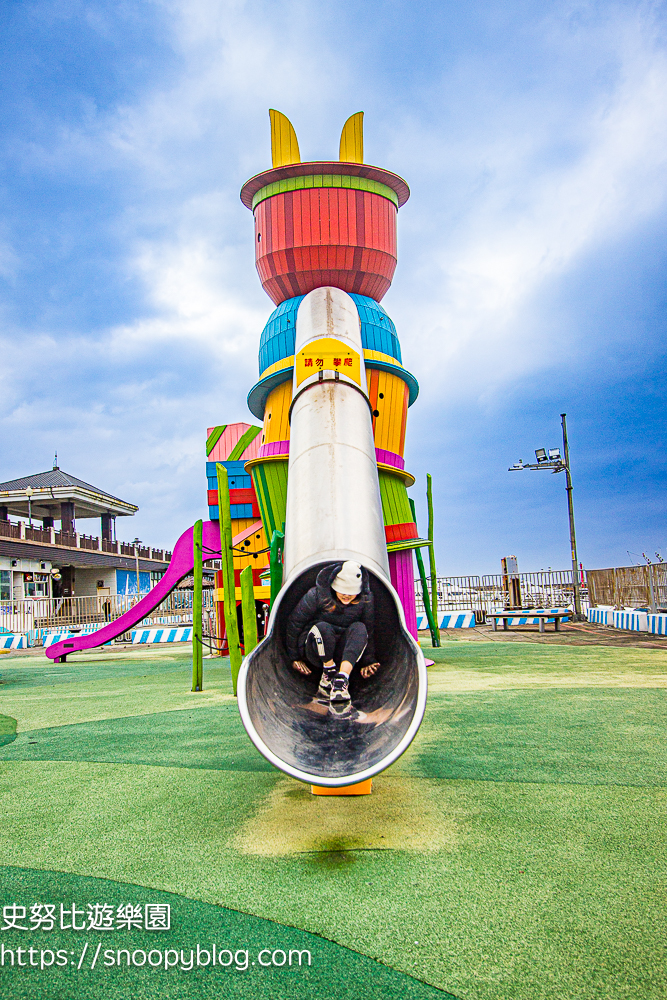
325	224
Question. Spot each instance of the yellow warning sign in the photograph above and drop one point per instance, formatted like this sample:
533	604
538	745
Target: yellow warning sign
327	355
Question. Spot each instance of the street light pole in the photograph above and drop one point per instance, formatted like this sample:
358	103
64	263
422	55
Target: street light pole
137	543
553	461
570	510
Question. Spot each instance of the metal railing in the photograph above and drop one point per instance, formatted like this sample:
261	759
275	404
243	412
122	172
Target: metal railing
552	589
455	593
486	594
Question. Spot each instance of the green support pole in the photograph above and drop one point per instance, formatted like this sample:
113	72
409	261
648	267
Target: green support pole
248	610
431	554
197	647
432	623
276	562
231	621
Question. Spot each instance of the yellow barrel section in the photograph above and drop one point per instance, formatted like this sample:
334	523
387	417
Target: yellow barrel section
269	469
276	415
389	397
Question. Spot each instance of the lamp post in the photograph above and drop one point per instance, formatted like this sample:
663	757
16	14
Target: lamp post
553	460
137	543
29	492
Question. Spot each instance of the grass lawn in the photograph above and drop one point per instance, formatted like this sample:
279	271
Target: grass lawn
516	851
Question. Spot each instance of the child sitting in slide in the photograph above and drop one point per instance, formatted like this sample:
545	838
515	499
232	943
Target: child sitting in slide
332	630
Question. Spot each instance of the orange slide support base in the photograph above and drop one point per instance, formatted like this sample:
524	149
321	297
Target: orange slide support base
362	788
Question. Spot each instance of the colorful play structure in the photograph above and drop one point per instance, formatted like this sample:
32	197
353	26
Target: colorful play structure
323	478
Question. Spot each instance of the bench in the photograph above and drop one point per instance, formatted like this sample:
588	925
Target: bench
530	618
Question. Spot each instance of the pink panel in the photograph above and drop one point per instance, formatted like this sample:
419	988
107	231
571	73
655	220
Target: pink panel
252	451
273	448
389	458
402	578
225	444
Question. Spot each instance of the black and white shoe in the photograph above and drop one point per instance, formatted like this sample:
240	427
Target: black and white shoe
328	674
339	699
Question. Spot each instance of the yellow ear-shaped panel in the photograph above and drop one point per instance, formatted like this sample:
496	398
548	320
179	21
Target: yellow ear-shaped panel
284	145
352	139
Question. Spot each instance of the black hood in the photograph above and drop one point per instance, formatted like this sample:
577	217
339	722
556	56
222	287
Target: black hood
328	574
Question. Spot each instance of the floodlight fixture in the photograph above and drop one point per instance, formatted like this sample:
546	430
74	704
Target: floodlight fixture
541	455
554	454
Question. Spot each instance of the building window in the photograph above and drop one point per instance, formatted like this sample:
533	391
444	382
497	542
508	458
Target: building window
5	585
36	584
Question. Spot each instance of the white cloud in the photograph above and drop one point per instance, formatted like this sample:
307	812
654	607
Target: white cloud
531	222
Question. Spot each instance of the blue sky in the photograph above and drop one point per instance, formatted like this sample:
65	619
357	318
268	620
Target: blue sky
531	276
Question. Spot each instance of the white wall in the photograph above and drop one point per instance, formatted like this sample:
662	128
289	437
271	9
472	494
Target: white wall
86	580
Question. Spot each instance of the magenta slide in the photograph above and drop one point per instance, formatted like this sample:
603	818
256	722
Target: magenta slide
182	563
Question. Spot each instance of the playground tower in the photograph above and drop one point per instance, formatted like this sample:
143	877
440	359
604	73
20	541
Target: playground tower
327	464
331	223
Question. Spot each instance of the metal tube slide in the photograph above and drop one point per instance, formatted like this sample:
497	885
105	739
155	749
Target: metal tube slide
334	513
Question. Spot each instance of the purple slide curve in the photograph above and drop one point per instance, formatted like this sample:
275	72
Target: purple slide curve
182	563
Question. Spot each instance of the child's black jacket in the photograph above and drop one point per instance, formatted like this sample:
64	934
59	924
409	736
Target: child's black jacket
312	608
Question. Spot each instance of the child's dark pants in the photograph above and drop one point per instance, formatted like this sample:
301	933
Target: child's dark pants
327	642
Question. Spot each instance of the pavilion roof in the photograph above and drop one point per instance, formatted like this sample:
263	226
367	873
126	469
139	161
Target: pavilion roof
54	487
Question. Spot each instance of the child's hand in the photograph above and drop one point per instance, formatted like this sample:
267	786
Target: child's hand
371	669
301	667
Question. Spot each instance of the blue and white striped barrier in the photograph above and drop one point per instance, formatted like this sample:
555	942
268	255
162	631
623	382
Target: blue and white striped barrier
657	624
180	618
451	619
630	620
600	616
12	640
50	638
633	621
150	635
457	619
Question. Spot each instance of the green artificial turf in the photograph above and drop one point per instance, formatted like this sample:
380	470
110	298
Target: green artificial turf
90	688
510	659
211	738
94	666
517	850
305	965
592	736
7	730
589	736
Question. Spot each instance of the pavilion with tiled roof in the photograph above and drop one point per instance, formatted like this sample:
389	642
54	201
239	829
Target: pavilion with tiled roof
57	495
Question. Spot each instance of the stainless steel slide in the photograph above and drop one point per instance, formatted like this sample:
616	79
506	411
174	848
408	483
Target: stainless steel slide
334	513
